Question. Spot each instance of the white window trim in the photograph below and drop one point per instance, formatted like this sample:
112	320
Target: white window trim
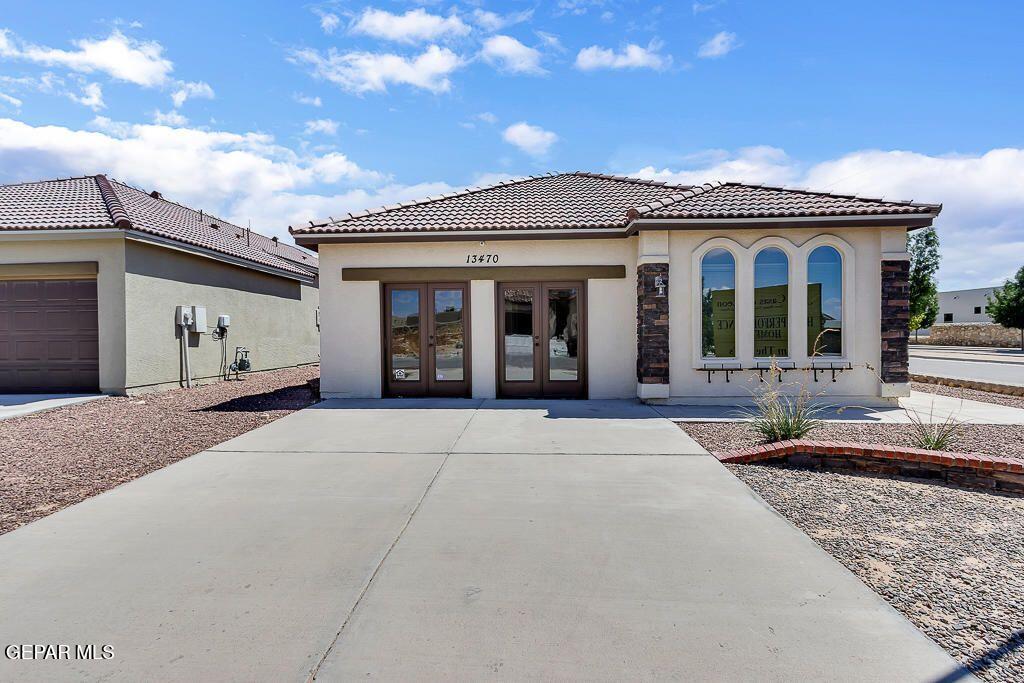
696	314
743	258
793	283
849	270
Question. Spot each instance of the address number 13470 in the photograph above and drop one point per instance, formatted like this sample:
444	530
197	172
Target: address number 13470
481	258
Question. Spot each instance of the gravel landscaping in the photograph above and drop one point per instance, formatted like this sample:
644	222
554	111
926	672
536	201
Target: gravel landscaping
998	440
951	560
59	457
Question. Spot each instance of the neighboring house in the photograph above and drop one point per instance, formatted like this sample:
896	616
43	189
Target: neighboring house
92	273
965	305
588	285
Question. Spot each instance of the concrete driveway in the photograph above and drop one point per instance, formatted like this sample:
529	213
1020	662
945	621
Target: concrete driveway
424	540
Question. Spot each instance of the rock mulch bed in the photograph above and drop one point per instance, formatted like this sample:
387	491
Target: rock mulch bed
951	560
59	457
969	394
1005	441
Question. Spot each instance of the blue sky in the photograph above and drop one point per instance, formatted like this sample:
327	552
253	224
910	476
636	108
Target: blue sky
280	113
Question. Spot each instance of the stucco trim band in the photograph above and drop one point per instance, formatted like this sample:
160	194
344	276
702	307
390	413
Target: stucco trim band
72	270
465	273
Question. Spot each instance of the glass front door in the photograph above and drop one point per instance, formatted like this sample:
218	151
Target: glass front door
426	340
540	334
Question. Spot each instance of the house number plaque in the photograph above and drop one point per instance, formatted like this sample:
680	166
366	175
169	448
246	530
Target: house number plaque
481	258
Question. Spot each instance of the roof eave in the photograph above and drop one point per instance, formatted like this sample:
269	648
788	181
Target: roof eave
311	240
216	255
911	221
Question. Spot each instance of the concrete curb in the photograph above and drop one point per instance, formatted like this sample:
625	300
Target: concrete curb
974	470
1008	389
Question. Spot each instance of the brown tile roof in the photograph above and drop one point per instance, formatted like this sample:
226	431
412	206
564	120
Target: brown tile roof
564	201
580	201
96	202
736	200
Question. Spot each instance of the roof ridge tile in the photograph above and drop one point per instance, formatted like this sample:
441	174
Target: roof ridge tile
118	214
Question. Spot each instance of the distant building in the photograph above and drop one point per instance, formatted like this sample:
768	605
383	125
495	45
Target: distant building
965	306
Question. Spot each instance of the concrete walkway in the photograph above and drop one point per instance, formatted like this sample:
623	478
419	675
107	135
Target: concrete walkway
923	405
16	405
426	540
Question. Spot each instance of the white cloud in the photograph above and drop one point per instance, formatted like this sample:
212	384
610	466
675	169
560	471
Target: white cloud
171	118
982	222
92	96
487	117
10	99
236	176
119	56
550	41
532	140
415	26
360	72
189	90
632	56
329	22
508	54
577	7
492	21
760	164
699	7
313	101
720	44
325	126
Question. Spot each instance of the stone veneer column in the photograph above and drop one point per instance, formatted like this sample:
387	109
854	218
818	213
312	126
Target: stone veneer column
895	370
652	365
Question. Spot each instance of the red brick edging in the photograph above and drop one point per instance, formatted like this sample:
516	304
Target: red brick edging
973	469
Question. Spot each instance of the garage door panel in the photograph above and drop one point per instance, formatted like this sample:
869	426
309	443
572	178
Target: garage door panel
58	291
87	319
88	350
59	319
48	336
60	349
28	320
84	290
27	290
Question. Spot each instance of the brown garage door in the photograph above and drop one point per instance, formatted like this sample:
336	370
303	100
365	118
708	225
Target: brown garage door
48	336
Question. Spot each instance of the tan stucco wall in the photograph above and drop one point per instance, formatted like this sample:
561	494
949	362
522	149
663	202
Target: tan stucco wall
274	317
107	250
350	311
862	250
351	344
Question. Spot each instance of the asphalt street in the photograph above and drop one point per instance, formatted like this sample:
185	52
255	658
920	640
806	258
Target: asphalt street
1001	366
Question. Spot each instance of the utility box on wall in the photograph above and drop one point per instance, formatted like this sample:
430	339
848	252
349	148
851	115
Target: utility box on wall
198	320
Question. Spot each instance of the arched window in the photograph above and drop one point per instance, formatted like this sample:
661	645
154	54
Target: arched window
771	303
825	302
718	304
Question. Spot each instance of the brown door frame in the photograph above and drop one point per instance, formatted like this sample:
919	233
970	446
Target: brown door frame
518	388
428	384
541	386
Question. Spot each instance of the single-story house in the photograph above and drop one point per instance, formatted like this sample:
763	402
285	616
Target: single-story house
589	285
105	287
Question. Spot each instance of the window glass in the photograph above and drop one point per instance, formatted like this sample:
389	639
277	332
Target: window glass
825	302
771	303
563	334
519	335
450	336
405	335
718	304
